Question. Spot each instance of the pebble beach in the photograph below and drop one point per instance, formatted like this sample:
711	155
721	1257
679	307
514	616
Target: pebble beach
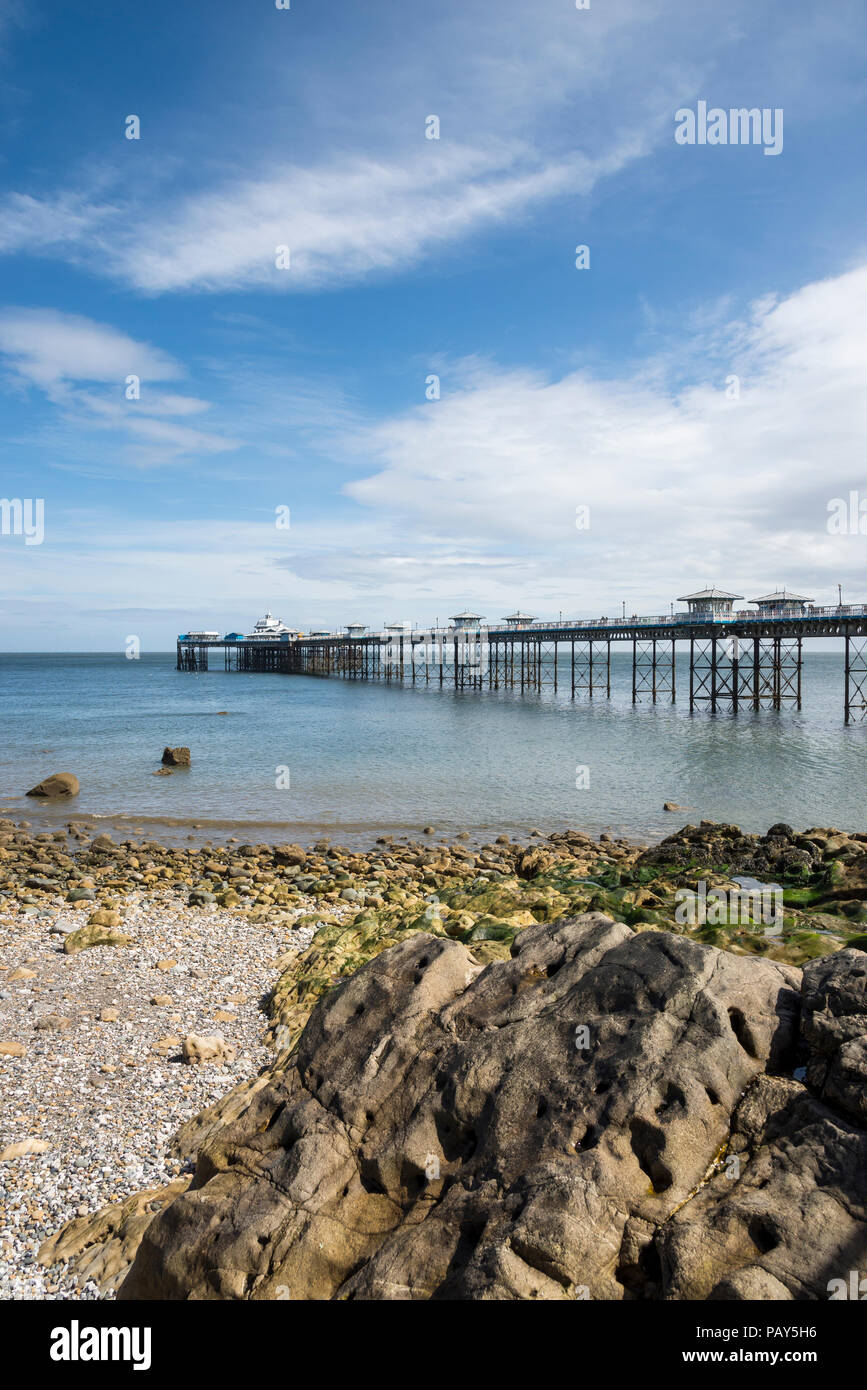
100	1084
141	984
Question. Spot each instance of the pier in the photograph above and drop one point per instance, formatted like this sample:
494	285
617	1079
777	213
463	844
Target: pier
738	660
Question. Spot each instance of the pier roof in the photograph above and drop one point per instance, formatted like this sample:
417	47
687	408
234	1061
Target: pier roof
708	593
782	596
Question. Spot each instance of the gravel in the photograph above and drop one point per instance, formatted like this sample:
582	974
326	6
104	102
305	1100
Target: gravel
105	1096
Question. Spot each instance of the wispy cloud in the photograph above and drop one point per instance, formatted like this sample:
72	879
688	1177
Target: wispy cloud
68	358
341	222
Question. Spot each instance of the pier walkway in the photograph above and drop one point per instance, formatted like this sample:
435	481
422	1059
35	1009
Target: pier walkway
737	659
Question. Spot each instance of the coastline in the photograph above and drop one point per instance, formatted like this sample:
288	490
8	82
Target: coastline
200	832
242	941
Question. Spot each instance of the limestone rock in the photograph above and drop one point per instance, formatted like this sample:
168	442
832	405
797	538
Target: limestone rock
59	784
199	1048
289	854
792	1218
53	1023
104	917
94	935
531	862
520	1131
176	757
10	1047
101	1246
24	1148
834	1025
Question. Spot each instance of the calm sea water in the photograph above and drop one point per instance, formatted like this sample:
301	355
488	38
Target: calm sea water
361	760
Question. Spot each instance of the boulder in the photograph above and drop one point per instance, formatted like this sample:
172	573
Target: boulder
176	757
834	1026
787	1219
59	784
289	854
101	1245
526	1130
531	862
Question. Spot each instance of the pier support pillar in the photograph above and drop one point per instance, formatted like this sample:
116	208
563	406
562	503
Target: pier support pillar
855	690
652	669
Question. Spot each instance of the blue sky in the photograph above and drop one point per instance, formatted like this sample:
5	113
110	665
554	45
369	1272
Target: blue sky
305	387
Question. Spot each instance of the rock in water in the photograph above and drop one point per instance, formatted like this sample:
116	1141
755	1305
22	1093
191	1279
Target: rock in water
59	784
176	757
539	1128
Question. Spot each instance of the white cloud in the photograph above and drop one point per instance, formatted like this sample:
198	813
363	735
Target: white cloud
471	499
683	484
52	349
341	221
69	358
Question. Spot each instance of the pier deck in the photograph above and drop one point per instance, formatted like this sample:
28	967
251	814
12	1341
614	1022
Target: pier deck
739	660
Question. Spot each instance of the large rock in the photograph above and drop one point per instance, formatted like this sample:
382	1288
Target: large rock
59	784
101	1245
792	1219
834	1025
176	757
527	1130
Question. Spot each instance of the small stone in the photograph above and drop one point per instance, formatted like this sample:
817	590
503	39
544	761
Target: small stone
162	1000
166	964
11	1048
53	1023
199	1048
24	1148
104	917
109	1016
21	973
94	935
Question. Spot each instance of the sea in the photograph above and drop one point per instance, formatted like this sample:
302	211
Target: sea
303	758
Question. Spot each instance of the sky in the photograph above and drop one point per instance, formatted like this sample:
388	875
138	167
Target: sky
318	340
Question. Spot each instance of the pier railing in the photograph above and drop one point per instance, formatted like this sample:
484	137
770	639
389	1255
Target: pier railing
741	659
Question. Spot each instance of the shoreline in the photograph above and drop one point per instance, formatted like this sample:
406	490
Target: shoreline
243	940
200	831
